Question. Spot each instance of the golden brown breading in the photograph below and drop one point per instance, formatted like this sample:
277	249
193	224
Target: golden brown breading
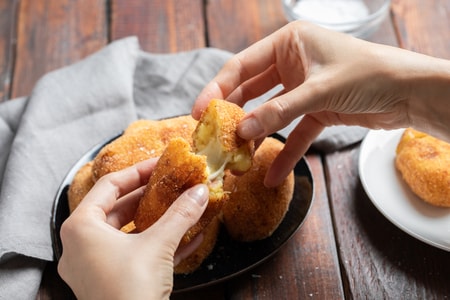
177	170
143	139
253	211
217	147
424	163
215	136
191	152
193	261
81	184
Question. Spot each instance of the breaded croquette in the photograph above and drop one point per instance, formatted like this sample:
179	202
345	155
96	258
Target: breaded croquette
81	184
217	147
424	162
143	139
253	211
193	261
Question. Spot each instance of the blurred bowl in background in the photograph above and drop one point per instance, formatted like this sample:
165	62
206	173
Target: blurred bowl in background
359	18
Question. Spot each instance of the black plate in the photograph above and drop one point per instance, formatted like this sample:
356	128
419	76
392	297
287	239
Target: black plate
229	258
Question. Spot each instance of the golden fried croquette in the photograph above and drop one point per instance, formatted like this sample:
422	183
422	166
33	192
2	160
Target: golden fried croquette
216	148
195	259
142	139
253	211
128	228
215	136
177	170
81	184
424	162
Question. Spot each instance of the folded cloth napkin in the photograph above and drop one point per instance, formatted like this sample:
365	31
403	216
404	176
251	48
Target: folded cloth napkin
69	111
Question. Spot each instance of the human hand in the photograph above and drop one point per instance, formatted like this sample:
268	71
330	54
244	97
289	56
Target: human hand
101	262
331	79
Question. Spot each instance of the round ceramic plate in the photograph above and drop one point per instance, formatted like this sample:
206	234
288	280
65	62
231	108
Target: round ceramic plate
392	196
229	258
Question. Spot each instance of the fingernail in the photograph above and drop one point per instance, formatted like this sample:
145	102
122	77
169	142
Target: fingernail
250	129
199	194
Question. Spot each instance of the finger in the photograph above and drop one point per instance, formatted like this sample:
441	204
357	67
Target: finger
125	208
241	67
209	92
112	186
188	249
297	143
182	214
255	86
280	111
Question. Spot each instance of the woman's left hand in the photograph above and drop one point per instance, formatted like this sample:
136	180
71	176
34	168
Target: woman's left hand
101	262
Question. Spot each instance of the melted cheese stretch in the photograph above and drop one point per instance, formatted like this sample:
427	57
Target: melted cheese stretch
216	159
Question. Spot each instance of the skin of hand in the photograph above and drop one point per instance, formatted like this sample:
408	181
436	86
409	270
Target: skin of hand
330	78
101	262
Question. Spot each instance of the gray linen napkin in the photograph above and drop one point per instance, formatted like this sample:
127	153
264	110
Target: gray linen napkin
69	111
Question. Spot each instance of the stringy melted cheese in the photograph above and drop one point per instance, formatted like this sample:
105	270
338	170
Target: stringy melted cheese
216	159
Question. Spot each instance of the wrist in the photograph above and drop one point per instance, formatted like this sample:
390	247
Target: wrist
423	82
430	97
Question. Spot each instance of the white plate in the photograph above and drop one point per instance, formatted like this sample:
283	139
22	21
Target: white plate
393	198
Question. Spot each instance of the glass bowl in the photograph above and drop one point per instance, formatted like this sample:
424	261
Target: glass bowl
359	18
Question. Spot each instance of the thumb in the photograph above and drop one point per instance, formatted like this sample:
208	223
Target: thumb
184	212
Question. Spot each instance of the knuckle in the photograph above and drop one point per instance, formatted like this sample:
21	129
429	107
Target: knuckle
184	212
280	111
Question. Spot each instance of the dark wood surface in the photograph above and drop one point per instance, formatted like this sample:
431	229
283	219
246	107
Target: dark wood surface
346	248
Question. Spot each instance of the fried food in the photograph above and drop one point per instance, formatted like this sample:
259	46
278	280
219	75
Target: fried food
142	140
81	184
253	211
177	170
216	148
215	136
424	162
194	152
193	261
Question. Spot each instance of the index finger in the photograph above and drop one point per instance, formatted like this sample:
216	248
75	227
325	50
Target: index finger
241	67
112	186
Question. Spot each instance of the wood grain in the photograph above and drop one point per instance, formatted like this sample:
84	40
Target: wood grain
162	25
55	33
379	259
307	266
8	18
423	26
235	25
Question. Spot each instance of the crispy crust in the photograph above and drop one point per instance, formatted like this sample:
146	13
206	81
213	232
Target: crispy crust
193	261
424	163
222	117
177	170
81	184
253	211
142	140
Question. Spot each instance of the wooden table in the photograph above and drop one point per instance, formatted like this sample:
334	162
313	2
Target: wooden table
346	248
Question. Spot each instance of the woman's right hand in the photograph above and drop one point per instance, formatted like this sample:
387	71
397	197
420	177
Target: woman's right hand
330	79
